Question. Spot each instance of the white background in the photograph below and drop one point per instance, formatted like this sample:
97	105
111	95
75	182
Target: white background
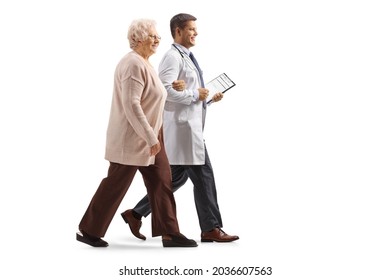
300	147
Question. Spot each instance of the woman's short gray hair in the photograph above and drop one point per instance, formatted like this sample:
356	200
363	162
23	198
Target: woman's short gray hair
139	31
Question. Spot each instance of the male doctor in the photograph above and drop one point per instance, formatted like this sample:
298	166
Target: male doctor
184	119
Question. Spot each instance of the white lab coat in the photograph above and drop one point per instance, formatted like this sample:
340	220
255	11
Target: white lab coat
182	119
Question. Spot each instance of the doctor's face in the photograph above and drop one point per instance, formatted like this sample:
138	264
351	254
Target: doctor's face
188	34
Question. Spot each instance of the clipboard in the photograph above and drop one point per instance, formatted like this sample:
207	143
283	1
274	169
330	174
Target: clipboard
221	83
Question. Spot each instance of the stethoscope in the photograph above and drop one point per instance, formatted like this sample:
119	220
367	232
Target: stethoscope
180	51
185	57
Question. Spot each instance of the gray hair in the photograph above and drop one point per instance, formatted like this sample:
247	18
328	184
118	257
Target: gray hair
139	31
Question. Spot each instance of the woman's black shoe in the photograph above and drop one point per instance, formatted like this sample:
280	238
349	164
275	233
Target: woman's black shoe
178	240
91	240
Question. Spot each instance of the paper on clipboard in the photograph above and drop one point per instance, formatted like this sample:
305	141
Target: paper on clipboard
222	83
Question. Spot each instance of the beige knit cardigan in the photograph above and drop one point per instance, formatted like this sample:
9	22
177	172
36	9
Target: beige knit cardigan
136	112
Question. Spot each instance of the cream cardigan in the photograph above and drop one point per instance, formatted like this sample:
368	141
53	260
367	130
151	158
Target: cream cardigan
136	112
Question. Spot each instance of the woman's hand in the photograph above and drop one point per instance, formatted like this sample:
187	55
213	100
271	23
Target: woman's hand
155	149
179	85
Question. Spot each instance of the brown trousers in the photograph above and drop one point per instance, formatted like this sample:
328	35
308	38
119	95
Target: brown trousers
112	189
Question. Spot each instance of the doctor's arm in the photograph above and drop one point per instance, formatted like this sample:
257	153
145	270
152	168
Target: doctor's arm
169	70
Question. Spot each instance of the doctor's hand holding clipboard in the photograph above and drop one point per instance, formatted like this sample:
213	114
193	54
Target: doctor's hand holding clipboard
218	86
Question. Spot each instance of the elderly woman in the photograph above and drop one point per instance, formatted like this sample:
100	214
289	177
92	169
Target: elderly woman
135	142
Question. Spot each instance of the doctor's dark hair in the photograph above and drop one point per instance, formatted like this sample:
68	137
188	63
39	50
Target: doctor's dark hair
180	20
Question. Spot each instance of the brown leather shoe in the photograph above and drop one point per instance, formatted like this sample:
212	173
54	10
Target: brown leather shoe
217	235
133	223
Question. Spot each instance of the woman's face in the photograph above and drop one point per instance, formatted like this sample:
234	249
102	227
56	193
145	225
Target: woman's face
151	43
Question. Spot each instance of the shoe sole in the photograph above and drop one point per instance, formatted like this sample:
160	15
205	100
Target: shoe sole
220	241
170	243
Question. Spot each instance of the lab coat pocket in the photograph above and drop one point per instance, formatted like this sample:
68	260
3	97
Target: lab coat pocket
182	115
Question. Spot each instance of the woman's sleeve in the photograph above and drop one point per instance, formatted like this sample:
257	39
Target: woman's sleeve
131	95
